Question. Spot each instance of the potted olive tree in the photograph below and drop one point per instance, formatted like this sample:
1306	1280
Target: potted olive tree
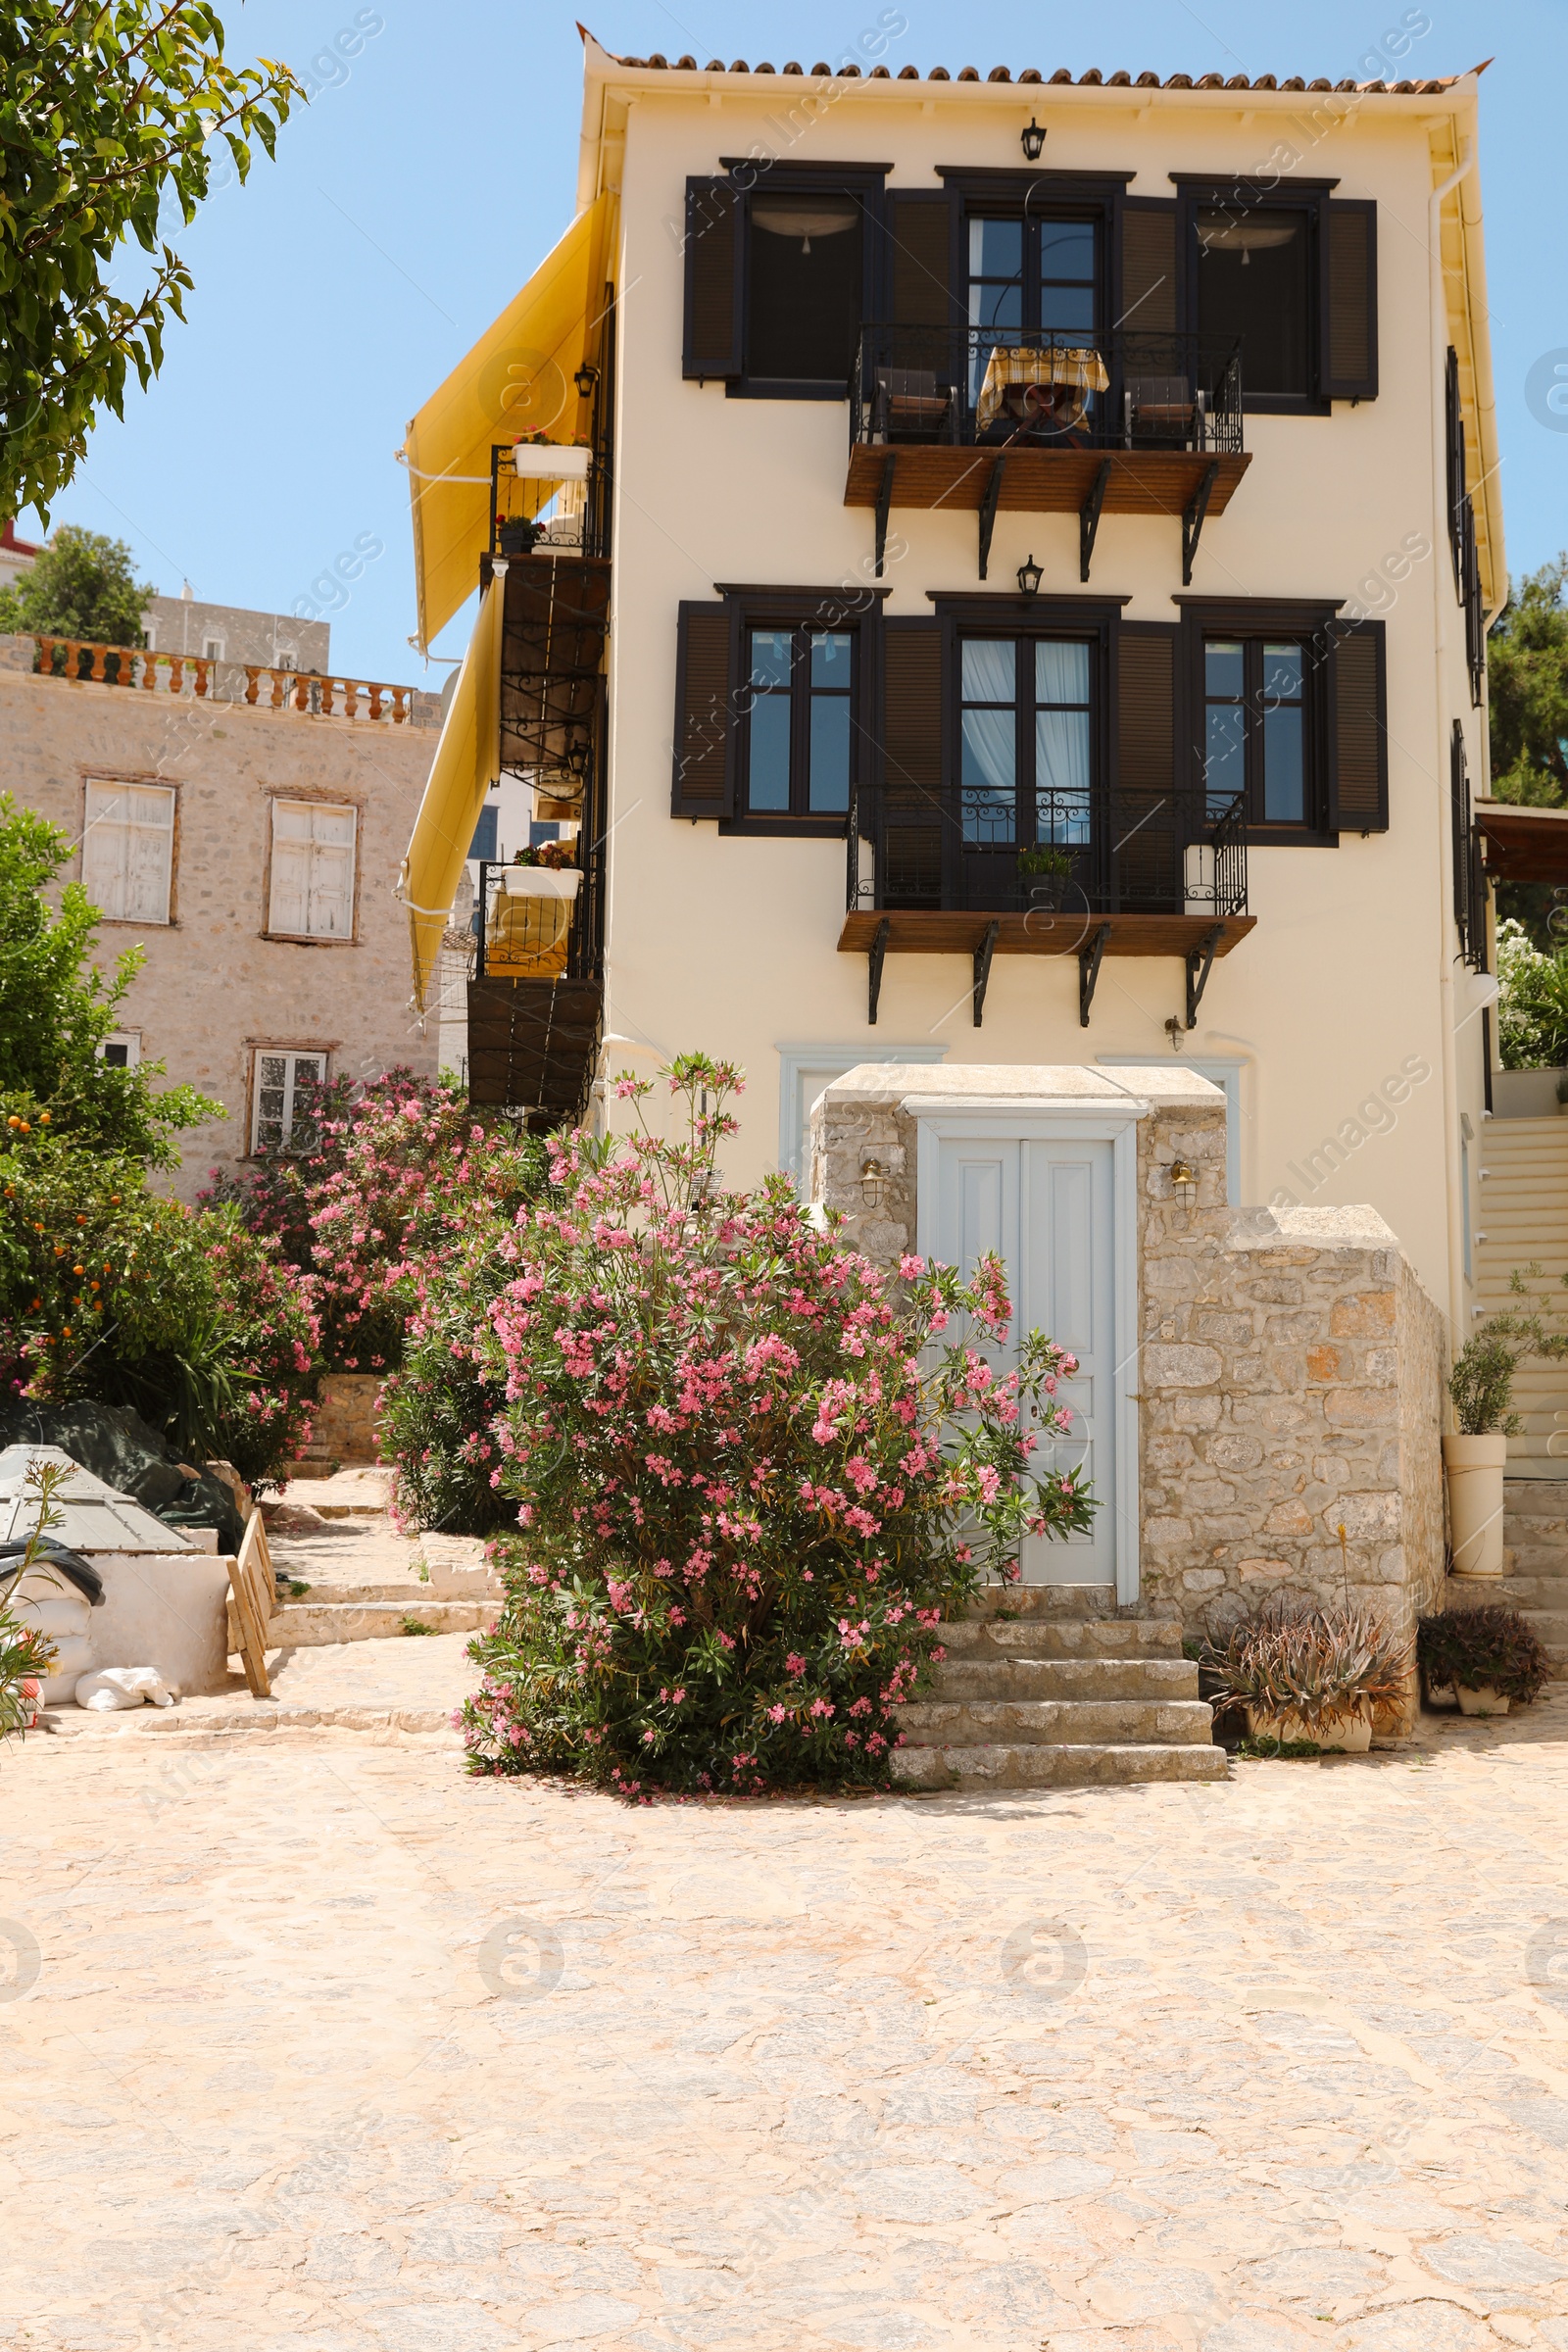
1482	1659
1481	1386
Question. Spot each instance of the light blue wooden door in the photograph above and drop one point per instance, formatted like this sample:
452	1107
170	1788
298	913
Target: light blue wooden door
1045	1205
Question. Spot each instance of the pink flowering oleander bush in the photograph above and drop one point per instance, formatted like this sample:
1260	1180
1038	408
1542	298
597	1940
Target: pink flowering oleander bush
393	1172
751	1473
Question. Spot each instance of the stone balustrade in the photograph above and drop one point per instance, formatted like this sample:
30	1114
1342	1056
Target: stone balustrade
256	684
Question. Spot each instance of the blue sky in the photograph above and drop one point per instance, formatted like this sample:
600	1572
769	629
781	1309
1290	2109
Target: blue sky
414	196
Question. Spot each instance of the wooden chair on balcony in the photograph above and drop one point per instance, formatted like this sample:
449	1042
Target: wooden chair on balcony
1163	409
911	405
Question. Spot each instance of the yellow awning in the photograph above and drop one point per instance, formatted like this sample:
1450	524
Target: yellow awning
518	379
468	760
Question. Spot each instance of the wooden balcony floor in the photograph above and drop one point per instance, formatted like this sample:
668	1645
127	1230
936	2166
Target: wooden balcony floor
1041	481
933	931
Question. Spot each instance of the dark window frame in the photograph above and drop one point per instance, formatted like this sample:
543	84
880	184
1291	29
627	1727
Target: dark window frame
800	693
1025	707
1253	707
1310	624
1198	193
852	611
863	184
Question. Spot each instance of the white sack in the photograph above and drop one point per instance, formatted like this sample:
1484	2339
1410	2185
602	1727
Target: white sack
114	1686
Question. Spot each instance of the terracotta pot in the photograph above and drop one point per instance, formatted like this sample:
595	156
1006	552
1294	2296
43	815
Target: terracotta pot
1475	1467
1479	1700
1350	1736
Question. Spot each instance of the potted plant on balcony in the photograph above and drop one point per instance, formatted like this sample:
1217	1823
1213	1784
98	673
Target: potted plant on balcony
1308	1671
1481	1387
1483	1658
1048	871
528	912
515	535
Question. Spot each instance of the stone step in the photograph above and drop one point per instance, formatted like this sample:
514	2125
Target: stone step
1532	1558
1066	1637
1056	1722
1066	1679
1522	1590
1533	1497
1044	1600
310	1624
1064	1765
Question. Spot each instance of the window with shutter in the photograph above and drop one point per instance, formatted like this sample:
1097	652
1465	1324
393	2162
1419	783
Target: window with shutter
311	892
911	763
1358	776
805	267
1349	297
705	712
1454	418
127	851
1149	267
712	332
282	1104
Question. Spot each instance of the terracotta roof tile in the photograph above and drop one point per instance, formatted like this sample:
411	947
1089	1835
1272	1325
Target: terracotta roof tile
1091	79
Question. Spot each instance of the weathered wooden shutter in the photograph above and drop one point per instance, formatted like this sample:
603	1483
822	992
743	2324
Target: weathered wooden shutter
910	764
329	913
104	850
289	898
1145	836
149	853
712	343
1359	728
1349	314
1148	273
705	712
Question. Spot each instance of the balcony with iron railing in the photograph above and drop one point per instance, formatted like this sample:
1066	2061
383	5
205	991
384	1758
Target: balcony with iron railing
982	420
1114	872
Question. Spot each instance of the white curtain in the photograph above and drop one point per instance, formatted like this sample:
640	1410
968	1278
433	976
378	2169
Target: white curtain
1061	742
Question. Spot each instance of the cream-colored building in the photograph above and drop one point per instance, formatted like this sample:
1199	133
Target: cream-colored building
968	465
243	828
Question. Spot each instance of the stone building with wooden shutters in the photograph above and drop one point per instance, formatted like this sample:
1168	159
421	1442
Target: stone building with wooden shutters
242	825
1042	533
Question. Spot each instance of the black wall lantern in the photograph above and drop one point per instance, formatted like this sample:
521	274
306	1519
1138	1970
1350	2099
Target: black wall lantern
1030	575
585	379
1033	139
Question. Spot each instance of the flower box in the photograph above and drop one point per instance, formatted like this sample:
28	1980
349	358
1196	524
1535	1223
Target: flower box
550	461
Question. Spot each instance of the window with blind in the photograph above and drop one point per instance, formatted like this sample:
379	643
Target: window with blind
311	889
283	1105
127	851
776	276
1291	278
1025	742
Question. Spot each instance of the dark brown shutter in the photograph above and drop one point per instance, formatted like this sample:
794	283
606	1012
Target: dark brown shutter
911	764
704	713
1148	272
1147	839
1349	337
713	328
918	230
1359	728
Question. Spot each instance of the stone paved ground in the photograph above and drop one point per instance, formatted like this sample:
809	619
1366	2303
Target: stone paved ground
318	2044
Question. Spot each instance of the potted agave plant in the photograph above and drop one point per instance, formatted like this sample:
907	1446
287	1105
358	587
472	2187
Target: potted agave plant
1475	1456
1048	871
1309	1671
1482	1659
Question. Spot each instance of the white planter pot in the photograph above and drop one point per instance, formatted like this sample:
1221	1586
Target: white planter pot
550	461
1475	1467
1480	1701
1350	1736
538	882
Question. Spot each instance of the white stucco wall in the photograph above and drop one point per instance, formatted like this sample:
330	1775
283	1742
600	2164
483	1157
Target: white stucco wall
730	944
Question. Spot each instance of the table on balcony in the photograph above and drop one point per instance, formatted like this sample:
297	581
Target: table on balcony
1050	387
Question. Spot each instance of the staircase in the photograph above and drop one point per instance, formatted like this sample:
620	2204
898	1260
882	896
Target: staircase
1045	1686
1535	1536
1523	1217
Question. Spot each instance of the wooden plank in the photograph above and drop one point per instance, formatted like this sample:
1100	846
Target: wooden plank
253	1605
1043	481
929	931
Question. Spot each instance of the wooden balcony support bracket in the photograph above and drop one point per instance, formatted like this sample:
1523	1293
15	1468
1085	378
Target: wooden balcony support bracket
1200	964
1192	521
1089	520
982	970
876	958
1089	958
884	504
988	511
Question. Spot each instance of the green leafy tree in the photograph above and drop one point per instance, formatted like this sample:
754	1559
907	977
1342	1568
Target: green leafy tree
56	1011
105	112
82	585
1528	679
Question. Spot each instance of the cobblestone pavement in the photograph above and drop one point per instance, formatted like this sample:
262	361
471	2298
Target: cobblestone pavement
310	2043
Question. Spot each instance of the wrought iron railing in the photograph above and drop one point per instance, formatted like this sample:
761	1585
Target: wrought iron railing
994	387
1119	852
534	923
